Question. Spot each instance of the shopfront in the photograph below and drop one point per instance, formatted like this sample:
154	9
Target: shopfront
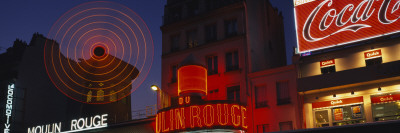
386	106
339	112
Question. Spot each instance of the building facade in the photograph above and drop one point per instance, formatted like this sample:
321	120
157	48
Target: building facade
347	75
241	44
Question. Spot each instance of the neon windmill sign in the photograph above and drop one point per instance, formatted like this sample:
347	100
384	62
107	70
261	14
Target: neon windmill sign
328	23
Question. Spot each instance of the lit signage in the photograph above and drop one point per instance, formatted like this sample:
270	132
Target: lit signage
207	116
327	23
387	98
337	102
327	63
373	54
77	125
9	105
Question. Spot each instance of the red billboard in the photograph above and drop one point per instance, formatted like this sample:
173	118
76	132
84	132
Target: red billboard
327	23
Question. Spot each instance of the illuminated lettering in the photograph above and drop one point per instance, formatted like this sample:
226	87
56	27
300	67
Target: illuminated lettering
336	102
196	116
219	110
208	113
235	121
180	118
164	129
193	116
9	106
244	112
171	119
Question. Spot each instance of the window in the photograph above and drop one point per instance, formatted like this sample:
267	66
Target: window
346	115
175	43
212	65
231	28
232	61
261	96
193	8
329	69
211	33
374	61
174	71
373	57
263	128
191	39
89	97
285	126
282	89
100	95
233	93
113	96
321	118
386	106
327	66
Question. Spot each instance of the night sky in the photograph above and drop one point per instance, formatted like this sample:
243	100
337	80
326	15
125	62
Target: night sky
21	18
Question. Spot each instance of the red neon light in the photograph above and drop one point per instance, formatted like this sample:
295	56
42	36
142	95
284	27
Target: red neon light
192	78
196	117
327	23
337	102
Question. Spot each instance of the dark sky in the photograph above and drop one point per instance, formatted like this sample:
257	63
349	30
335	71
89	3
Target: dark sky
22	18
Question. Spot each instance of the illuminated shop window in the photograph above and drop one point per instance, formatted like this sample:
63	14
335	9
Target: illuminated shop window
89	97
261	96
373	57
113	96
212	65
346	115
285	126
175	43
231	28
100	95
263	128
211	33
232	61
321	118
328	66
386	107
174	70
233	93
282	92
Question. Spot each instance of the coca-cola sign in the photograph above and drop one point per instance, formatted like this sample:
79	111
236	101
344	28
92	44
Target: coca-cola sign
327	23
327	63
373	54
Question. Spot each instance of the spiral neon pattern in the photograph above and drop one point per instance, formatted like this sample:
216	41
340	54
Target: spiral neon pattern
98	52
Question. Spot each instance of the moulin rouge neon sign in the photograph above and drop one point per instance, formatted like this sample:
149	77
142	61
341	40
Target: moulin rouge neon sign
327	23
207	116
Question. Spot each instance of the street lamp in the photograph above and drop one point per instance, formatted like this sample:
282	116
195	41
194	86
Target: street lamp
154	88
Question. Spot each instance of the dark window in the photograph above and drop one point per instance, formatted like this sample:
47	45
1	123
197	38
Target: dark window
212	65
374	61
231	27
193	8
175	43
191	39
285	126
329	69
174	69
232	61
263	128
211	33
233	93
261	96
282	89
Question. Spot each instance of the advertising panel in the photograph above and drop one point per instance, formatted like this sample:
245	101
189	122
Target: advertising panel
323	24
